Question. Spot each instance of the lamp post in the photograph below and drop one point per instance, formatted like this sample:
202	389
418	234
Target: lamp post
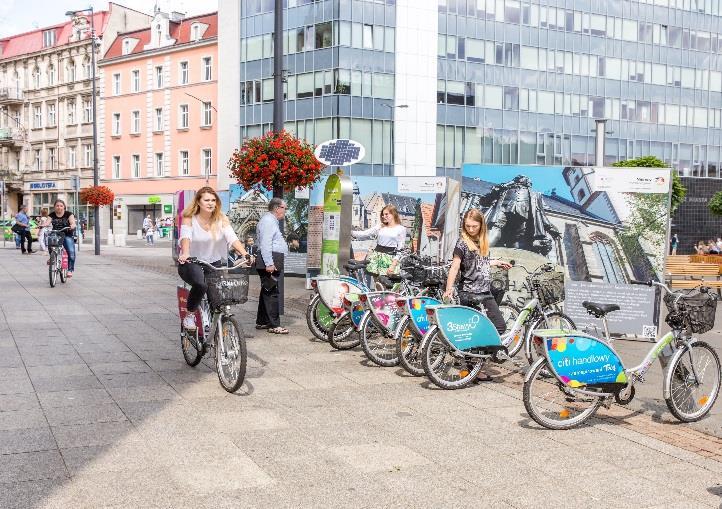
96	180
392	108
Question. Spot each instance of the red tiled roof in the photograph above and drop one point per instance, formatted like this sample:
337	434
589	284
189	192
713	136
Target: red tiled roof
31	42
179	30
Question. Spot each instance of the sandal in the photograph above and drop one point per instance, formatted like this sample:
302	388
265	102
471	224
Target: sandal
278	330
261	327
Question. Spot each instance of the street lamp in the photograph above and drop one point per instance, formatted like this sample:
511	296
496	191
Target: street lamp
392	108
96	180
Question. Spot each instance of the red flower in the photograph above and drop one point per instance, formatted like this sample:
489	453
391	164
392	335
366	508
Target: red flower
97	196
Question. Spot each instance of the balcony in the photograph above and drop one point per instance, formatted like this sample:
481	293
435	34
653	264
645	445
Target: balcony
10	137
10	95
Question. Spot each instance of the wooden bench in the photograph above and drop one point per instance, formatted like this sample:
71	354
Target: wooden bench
694	283
693	270
715	260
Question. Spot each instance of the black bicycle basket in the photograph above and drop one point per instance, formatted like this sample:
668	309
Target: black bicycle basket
226	289
549	287
55	239
499	283
696	312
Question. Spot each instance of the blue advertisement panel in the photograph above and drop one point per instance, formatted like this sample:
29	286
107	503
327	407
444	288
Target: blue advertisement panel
466	327
583	360
417	313
601	227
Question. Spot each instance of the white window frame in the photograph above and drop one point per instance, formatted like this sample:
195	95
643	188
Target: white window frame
184	167
126	46
135	165
159	164
206	162
206	114
135	80
52	158
135	122
183	116
158	120
37	116
70	113
183	72
49	38
116	83
87	111
52	115
116	124
116	166
72	159
87	155
207	69
51	75
38	164
159	81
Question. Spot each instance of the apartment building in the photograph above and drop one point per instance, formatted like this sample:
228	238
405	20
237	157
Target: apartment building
158	118
46	115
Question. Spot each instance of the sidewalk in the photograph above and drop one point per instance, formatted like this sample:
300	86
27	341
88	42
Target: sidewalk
98	408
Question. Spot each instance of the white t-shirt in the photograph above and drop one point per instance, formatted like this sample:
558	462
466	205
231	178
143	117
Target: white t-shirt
386	236
204	246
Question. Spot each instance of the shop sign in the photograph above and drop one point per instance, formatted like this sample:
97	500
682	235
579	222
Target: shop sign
153	199
37	186
167	209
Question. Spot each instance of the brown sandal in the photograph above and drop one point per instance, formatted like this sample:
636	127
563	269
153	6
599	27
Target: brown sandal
278	330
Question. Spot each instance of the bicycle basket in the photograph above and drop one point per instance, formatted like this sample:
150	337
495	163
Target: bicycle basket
697	312
499	284
549	287
55	239
228	289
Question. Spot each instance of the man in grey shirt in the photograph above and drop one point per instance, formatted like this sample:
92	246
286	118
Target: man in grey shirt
269	264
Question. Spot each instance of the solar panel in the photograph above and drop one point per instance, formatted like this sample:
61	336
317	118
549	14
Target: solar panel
339	152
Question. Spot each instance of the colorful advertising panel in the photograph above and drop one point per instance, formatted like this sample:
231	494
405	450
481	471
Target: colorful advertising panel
601	226
331	225
466	328
386	311
417	313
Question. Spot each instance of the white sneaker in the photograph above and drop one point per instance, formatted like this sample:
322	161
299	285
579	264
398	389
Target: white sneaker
189	322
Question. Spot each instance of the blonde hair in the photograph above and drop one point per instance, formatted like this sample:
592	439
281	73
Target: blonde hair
394	213
480	243
218	218
44	211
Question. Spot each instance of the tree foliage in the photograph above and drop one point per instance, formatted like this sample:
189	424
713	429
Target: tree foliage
678	189
715	204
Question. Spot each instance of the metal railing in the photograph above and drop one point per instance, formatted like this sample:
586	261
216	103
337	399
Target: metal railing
9	93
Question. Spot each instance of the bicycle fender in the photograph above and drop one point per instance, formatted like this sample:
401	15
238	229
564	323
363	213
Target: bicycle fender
427	337
667	386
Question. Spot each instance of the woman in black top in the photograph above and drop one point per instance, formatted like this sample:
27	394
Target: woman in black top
471	259
62	218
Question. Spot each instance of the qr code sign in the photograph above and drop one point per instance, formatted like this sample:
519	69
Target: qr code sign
649	331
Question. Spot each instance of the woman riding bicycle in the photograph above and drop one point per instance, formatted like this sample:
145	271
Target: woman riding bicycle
471	258
63	220
205	234
390	237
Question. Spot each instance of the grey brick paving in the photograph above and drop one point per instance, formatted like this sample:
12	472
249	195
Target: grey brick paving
98	409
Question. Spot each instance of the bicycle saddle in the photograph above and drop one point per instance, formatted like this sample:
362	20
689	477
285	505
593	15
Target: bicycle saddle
432	282
354	265
599	310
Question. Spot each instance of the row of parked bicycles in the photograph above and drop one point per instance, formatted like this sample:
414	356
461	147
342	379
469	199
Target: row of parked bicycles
403	320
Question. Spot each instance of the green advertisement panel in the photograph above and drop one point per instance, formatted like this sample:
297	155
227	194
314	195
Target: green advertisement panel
331	226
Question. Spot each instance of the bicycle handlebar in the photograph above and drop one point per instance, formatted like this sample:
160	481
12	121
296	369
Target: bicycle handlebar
238	265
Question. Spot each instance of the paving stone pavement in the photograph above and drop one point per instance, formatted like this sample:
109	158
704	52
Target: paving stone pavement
98	409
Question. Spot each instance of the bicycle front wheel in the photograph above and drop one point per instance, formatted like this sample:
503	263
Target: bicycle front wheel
378	345
510	314
231	354
408	348
341	333
52	269
693	381
553	320
318	318
446	368
552	404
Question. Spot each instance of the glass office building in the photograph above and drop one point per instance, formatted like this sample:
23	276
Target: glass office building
511	82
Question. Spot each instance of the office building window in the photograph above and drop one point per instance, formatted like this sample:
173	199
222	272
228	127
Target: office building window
135	169
183	163
183	117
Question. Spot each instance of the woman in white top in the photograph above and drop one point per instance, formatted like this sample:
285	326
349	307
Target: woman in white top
205	234
390	237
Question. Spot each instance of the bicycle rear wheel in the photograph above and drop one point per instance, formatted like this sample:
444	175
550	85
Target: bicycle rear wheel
189	347
318	318
408	348
553	405
341	333
52	269
63	273
445	368
554	320
693	380
378	345
231	354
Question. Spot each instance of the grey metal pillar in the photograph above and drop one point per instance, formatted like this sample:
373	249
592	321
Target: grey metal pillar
599	141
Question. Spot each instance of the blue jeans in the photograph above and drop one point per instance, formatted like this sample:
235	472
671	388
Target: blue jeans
69	245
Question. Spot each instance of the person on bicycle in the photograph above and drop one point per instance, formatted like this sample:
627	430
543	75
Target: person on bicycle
390	237
61	219
205	234
471	258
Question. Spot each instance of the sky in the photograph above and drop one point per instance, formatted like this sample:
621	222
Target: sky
18	16
543	178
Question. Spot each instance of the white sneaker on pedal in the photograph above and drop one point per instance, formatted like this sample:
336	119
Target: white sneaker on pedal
189	322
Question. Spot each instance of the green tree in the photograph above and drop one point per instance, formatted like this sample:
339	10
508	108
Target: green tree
715	204
678	189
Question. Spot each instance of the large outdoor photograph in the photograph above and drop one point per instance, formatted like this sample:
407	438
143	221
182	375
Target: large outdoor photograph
600	226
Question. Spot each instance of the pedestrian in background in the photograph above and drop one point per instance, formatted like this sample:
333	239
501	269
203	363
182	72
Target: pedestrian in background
23	220
674	244
44	225
149	231
147	223
269	265
251	246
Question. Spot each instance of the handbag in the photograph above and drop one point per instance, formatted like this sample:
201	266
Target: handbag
16	228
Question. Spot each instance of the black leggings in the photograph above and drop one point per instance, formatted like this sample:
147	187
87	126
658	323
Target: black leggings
195	275
487	301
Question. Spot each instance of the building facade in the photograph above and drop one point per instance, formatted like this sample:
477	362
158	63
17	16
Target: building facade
46	115
158	117
428	86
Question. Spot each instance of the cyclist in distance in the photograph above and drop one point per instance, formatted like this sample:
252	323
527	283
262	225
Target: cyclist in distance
471	258
206	234
61	218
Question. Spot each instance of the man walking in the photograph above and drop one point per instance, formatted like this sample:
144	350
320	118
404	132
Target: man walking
269	264
22	219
